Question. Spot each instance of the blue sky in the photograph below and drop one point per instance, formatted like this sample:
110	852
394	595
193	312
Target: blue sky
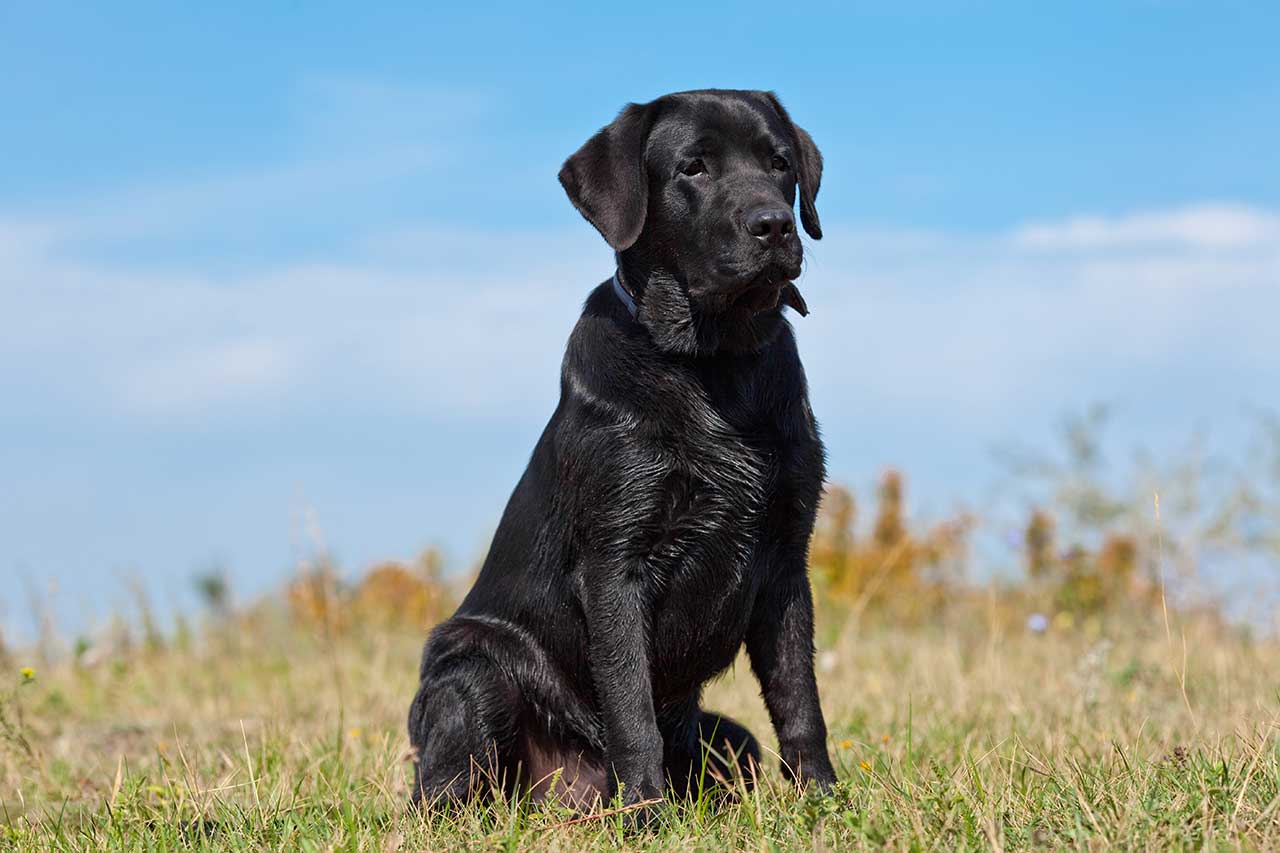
263	263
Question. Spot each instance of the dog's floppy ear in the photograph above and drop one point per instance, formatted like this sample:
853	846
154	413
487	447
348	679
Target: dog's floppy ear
606	178
808	170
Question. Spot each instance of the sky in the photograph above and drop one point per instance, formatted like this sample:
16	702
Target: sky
279	277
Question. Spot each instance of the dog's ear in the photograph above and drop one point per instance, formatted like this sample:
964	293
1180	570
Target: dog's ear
808	169
606	178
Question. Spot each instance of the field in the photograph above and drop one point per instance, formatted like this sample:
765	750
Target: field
965	730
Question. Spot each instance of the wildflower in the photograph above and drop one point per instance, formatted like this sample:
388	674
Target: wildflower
846	744
354	733
1037	623
865	765
28	674
884	739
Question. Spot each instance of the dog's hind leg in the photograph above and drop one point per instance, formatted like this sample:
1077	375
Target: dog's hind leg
709	750
462	724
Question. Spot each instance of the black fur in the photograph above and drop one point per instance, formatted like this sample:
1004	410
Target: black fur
664	518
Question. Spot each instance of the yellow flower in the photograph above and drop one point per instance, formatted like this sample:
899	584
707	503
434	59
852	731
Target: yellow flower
354	733
28	674
884	738
865	765
846	744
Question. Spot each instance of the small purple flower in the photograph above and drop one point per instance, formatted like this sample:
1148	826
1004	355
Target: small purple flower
1037	623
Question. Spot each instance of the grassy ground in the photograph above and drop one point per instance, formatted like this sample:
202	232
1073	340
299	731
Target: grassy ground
962	733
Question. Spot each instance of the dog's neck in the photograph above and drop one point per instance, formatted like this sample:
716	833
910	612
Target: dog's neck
620	287
658	298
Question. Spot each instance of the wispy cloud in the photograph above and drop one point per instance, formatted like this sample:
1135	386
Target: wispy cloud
471	323
1205	226
196	380
308	336
349	138
985	326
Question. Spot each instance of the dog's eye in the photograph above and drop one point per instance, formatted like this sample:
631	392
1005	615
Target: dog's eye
779	163
694	167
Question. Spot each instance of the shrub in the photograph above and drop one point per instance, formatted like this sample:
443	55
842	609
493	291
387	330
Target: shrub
389	595
892	564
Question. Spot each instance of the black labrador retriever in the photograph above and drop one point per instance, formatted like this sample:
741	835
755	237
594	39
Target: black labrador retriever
665	515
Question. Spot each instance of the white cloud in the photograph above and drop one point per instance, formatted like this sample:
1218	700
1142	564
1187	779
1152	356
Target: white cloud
1205	226
977	327
379	332
471	324
193	381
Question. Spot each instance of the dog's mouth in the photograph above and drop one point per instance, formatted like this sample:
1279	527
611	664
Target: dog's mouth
772	286
750	267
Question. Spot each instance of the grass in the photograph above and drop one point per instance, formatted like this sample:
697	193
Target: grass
966	732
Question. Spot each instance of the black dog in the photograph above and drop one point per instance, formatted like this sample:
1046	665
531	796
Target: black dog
665	514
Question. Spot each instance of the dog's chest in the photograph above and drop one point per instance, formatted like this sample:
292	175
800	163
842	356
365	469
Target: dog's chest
721	467
713	499
729	481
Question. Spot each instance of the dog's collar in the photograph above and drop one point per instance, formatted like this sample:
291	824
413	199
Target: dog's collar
621	290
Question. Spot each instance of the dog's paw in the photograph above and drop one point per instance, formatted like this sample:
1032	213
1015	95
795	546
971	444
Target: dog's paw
638	806
643	815
821	784
829	798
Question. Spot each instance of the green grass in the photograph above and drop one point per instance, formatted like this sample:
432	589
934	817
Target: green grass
963	733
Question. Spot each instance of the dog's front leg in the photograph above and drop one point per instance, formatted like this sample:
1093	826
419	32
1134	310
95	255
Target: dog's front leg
618	629
780	645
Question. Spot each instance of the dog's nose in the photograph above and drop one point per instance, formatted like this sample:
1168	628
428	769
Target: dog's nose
770	225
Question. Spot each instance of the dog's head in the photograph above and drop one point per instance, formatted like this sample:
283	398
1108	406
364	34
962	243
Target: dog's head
696	191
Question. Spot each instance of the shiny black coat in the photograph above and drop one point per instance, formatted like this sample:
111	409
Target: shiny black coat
664	517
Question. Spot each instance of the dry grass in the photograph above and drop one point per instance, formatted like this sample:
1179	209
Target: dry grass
969	731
